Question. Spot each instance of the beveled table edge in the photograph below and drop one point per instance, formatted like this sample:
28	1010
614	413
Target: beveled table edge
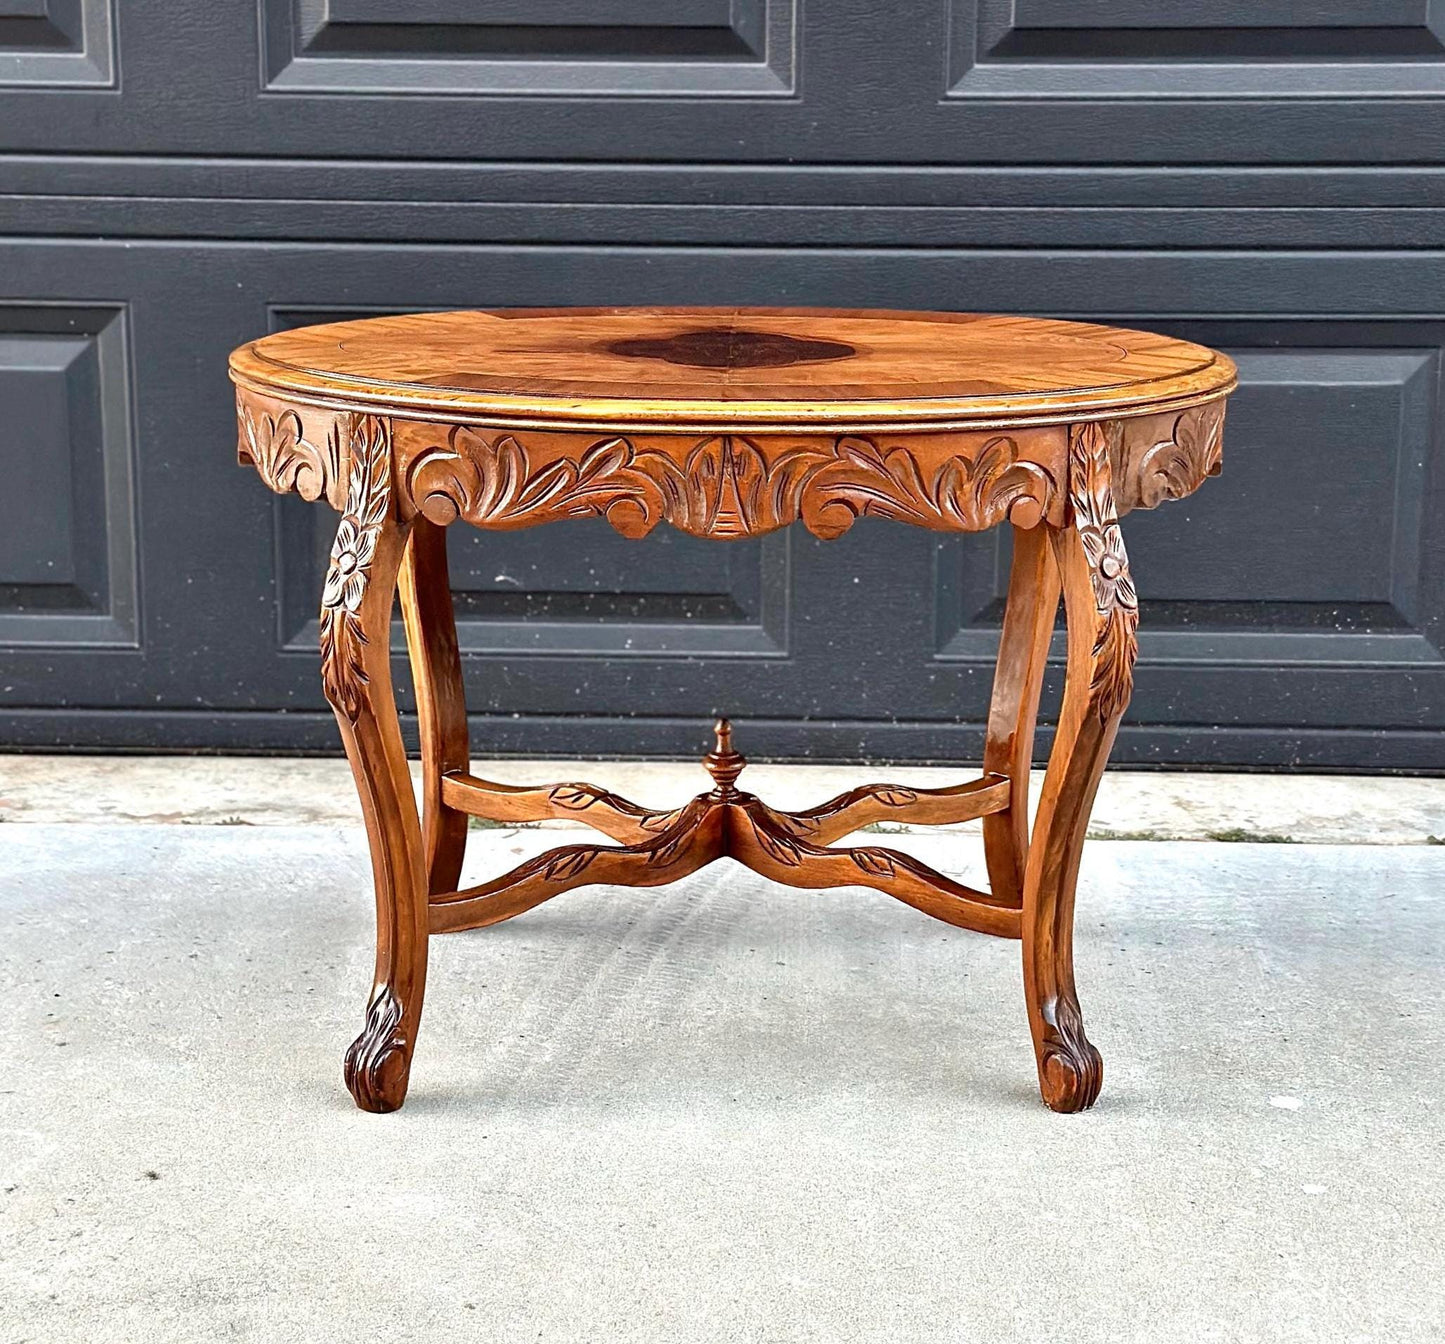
641	415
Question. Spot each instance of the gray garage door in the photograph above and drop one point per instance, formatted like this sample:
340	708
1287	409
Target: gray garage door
179	175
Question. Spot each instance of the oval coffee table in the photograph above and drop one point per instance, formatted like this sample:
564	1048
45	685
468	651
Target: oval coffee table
728	422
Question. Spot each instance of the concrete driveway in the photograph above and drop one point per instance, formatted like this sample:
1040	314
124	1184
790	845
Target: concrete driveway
722	1111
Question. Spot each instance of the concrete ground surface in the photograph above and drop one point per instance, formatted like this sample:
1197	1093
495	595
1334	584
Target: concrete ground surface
721	1111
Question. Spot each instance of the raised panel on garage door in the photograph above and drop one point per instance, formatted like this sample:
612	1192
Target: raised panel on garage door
780	81
433	79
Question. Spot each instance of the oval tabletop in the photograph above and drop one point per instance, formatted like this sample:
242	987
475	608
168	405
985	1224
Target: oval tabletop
732	366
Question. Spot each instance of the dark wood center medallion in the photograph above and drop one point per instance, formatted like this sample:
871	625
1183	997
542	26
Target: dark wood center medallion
721	348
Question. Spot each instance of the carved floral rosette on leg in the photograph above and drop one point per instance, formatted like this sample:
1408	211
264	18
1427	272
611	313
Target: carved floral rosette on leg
368	497
1091	500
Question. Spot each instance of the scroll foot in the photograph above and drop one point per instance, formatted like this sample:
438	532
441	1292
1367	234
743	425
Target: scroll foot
1071	1071
378	1064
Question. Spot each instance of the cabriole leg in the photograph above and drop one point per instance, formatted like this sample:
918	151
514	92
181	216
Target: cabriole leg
436	674
1023	650
356	672
1102	612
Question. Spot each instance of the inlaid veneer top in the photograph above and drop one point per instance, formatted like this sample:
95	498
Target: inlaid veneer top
732	366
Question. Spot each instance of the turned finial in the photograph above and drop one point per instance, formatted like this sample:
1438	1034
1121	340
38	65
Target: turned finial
722	762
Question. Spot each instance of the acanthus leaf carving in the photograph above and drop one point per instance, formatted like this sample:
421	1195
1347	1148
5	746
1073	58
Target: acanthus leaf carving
963	494
1178	463
894	795
568	862
492	483
726	486
879	862
775	839
368	500
276	445
575	797
1096	520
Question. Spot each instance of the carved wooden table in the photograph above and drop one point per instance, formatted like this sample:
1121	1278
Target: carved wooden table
728	423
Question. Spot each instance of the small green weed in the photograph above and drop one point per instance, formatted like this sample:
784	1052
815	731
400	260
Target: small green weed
1230	835
1129	835
1239	835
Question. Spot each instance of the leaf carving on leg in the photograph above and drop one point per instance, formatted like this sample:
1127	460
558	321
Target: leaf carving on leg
1091	498
368	499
